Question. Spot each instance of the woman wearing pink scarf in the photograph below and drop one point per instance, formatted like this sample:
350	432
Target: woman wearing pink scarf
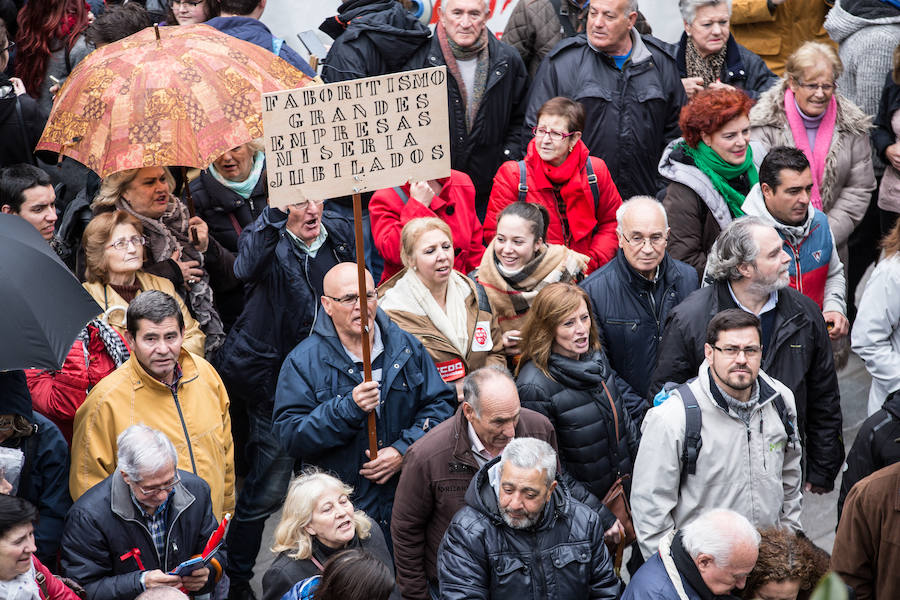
805	111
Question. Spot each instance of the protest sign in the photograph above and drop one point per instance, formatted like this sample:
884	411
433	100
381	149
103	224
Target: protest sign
356	136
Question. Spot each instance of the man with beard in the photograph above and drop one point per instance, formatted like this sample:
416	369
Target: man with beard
521	535
749	458
749	270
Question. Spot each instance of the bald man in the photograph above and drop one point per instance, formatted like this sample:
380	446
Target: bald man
322	403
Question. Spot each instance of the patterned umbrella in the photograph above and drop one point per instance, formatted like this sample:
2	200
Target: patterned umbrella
162	97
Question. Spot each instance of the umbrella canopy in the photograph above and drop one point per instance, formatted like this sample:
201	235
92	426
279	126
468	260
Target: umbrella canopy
164	97
43	305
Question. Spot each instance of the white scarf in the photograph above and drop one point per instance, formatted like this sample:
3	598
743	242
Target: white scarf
21	587
454	323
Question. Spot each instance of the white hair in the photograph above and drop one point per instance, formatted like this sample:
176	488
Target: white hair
689	8
531	453
718	532
637	202
144	451
487	5
735	246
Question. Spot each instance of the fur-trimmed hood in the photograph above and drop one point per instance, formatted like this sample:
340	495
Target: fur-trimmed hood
769	110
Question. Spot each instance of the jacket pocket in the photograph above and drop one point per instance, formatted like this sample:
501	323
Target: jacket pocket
571	570
511	577
249	366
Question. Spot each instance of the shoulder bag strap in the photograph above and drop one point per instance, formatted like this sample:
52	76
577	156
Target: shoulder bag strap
595	191
693	421
399	191
29	151
523	185
562	12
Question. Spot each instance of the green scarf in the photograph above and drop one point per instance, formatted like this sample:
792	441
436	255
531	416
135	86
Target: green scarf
720	173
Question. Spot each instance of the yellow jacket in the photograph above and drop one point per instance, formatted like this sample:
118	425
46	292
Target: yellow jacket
130	395
106	296
775	36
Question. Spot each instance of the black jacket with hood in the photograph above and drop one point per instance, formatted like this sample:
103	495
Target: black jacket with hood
561	556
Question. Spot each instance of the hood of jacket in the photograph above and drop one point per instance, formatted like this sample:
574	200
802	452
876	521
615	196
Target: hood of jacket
587	374
391	28
676	166
769	111
14	396
847	17
755	204
481	496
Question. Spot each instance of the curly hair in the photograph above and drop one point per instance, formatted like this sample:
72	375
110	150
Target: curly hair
550	307
42	24
709	111
784	555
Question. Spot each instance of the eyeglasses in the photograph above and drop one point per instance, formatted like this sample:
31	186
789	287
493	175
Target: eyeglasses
188	3
352	299
637	241
122	243
553	135
8	48
305	203
812	87
733	351
168	487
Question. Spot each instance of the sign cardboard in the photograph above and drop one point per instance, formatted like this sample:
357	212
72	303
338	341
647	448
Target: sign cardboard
356	136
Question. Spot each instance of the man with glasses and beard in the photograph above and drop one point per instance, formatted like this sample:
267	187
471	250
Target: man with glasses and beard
749	270
127	533
522	535
748	457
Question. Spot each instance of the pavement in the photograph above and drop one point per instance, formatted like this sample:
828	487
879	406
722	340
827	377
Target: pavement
819	511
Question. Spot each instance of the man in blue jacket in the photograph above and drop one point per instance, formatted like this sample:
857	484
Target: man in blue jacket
632	295
322	403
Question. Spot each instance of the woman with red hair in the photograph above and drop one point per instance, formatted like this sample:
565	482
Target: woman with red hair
710	171
49	43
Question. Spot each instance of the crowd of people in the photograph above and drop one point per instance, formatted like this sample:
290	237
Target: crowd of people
614	330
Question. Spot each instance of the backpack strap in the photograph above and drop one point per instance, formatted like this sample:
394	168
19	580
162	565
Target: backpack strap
562	12
595	190
693	421
483	302
399	191
523	185
789	430
29	151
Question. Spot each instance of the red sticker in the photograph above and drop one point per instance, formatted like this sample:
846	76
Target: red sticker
451	370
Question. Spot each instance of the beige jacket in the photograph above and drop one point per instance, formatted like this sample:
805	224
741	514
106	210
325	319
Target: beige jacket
107	297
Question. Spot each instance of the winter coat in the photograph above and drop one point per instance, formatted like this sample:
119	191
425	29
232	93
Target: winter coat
104	525
752	468
485	337
561	556
799	356
281	302
254	31
496	133
595	446
285	571
774	36
534	28
316	419
56	589
42	480
630	316
815	269
195	418
867	31
885	134
631	114
653	582
697	211
376	39
58	394
874	448
20	135
592	226
849	179
867	537
876	331
108	298
454	205
436	473
742	68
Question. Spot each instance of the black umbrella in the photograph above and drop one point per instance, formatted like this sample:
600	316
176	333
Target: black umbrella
42	304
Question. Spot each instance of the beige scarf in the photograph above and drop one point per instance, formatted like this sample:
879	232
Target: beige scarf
454	322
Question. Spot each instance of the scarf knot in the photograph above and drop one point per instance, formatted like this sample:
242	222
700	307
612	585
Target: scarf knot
721	172
478	51
709	68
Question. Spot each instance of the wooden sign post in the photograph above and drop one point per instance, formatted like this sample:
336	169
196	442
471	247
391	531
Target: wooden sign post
357	136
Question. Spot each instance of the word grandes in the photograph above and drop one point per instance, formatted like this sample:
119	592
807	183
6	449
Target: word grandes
362	135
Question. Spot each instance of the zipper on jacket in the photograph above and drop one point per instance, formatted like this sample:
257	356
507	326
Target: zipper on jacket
763	440
187	437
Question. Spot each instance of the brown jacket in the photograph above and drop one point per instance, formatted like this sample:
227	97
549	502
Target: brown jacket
485	337
867	545
436	472
534	28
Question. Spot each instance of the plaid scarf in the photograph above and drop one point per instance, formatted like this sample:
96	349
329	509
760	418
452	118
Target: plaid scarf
709	68
453	52
511	295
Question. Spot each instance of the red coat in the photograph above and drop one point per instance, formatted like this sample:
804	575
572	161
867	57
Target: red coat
455	205
58	394
600	246
56	589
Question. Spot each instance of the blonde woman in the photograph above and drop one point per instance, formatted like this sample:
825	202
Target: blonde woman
318	520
